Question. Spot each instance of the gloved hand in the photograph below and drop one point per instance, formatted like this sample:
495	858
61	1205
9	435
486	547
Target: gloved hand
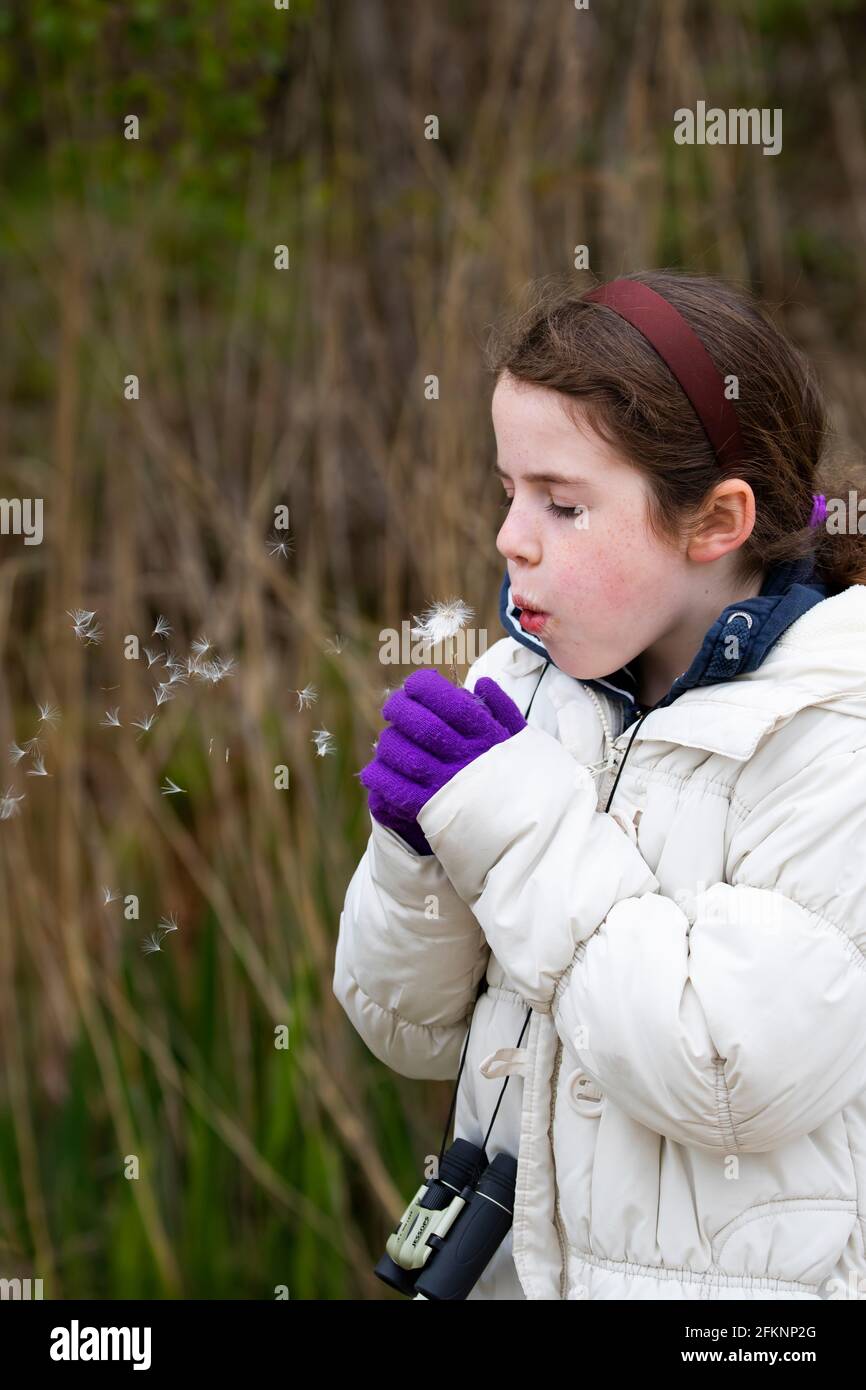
437	729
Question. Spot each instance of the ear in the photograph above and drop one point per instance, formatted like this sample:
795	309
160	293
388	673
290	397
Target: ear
725	522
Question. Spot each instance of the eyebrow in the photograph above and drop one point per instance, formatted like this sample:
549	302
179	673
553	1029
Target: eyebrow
543	477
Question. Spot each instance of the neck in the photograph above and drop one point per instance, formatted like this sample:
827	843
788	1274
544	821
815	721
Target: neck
671	655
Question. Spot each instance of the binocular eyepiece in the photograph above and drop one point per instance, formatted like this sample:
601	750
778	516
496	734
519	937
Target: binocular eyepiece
453	1225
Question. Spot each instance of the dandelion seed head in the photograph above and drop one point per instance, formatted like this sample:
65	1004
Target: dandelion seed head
442	620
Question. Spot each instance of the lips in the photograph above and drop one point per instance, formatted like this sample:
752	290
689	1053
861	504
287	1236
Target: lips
531	619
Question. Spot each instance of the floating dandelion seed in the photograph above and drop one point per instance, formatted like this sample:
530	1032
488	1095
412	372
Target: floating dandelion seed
163	693
306	697
324	742
108	896
82	624
210	748
111	720
334	645
152	657
33	746
171	787
201	646
163	627
442	621
280	544
178	676
81	617
38	769
167	924
16	753
48	714
144	724
93	636
10	804
150	943
214	671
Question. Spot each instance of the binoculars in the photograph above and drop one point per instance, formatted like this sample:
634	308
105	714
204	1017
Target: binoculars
452	1227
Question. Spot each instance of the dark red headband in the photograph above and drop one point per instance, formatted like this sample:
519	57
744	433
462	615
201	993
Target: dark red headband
681	349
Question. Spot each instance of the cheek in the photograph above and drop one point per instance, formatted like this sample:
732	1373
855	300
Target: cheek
620	571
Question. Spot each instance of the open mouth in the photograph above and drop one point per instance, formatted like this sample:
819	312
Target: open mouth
531	619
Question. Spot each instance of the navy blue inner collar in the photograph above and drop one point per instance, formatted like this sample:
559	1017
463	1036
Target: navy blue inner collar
789	590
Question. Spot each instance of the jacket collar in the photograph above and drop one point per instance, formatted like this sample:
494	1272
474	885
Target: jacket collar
788	592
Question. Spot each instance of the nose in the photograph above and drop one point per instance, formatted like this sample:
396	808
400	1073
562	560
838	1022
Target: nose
518	537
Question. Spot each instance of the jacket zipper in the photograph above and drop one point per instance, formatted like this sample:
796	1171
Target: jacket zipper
616	754
616	758
557	1215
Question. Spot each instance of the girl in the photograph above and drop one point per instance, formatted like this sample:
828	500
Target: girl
640	826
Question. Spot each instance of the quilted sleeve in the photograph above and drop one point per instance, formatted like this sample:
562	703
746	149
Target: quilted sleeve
410	954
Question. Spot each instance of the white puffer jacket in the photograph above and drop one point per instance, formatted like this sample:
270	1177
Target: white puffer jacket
688	1108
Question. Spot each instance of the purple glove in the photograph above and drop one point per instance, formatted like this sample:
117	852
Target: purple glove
437	730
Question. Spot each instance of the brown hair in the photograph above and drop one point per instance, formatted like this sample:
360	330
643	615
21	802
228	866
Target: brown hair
606	367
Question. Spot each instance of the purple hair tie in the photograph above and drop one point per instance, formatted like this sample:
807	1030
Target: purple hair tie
819	509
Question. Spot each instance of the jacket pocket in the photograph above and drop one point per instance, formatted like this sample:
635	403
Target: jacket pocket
798	1238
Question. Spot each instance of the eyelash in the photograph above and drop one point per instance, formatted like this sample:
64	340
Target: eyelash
550	507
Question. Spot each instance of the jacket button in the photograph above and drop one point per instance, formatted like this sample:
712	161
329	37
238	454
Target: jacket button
583	1093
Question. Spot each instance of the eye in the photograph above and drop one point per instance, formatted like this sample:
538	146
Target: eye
561	511
551	506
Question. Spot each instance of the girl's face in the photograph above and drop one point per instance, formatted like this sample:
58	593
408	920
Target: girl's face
576	539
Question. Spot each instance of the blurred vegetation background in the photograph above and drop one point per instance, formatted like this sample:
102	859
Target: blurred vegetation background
302	387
